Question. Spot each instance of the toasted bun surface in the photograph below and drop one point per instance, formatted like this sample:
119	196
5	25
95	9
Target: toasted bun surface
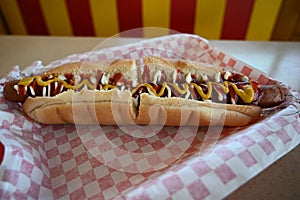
171	65
94	107
178	111
89	67
84	107
119	107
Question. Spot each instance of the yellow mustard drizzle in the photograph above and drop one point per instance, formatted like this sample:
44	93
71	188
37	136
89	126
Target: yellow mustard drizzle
150	87
246	94
178	89
108	86
200	91
224	86
27	81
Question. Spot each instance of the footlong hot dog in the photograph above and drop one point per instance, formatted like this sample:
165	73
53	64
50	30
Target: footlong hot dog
157	91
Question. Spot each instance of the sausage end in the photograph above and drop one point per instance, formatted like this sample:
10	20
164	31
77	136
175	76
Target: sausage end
10	93
272	95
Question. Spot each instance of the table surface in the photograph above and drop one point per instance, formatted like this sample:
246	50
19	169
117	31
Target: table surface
279	60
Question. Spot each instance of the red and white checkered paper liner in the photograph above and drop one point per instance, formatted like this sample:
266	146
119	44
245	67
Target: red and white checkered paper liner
52	161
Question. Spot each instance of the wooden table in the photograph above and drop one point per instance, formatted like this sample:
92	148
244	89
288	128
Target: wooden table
281	60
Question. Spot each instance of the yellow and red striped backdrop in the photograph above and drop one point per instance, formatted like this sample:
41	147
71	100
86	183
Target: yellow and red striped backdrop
212	19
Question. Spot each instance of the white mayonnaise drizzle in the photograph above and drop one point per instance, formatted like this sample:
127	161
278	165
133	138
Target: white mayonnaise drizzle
245	79
44	91
187	95
16	87
61	88
174	75
157	76
204	77
119	84
134	83
169	91
61	77
93	80
218	77
77	78
233	101
32	90
226	75
135	102
188	78
55	85
104	80
220	96
122	88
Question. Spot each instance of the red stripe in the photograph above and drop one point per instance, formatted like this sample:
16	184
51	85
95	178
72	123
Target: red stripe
183	15
236	19
33	17
130	17
80	17
1	152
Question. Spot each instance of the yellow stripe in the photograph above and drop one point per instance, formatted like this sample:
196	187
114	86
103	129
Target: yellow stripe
105	17
56	16
156	13
263	19
209	18
13	17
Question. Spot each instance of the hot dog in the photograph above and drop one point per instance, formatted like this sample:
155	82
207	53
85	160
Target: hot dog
124	92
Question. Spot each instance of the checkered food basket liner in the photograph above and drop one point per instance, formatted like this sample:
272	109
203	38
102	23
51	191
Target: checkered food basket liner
110	162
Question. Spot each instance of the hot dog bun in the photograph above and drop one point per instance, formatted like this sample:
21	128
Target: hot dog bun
84	107
119	106
185	112
90	107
